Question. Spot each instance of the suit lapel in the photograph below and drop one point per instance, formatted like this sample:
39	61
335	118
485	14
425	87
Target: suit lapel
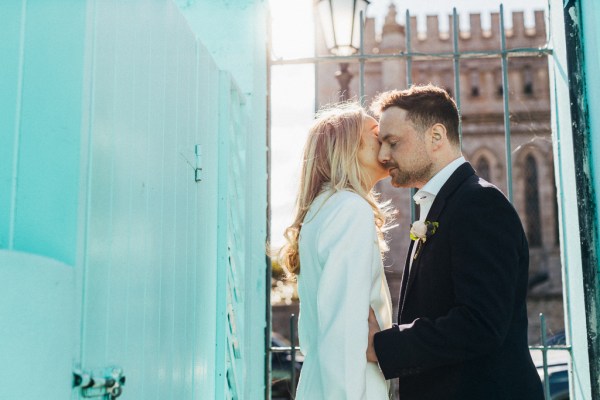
405	279
454	182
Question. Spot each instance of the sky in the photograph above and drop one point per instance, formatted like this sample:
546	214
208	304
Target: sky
292	86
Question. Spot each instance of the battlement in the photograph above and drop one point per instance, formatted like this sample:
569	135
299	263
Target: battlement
474	38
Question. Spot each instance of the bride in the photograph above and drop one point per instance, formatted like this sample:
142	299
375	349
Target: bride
334	248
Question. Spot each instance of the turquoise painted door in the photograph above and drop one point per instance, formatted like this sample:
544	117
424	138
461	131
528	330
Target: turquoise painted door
150	225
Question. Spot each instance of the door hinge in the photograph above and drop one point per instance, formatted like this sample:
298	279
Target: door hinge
106	382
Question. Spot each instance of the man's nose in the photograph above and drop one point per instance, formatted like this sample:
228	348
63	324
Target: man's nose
384	154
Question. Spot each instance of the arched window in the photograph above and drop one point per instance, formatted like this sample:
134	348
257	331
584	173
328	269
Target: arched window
474	77
499	83
483	168
532	202
527	80
500	90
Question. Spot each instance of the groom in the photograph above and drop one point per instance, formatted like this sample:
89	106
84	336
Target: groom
462	320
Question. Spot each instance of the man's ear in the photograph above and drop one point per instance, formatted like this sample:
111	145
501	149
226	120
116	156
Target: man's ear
438	134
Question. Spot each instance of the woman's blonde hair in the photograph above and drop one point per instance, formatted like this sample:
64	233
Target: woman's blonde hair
331	162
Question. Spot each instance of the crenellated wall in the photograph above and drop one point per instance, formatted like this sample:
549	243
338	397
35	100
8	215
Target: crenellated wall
473	39
480	79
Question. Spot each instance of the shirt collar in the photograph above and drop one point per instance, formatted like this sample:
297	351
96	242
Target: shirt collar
433	187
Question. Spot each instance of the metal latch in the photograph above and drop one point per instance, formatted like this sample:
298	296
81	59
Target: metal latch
107	382
198	168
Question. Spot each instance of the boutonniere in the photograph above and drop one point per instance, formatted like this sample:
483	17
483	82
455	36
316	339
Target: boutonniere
421	231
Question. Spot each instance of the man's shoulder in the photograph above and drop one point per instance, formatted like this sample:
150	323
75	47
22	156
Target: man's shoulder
478	196
476	193
477	187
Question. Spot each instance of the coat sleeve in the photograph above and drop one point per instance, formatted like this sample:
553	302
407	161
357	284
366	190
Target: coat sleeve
345	246
486	244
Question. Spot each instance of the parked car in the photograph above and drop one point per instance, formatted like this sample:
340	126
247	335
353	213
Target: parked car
558	367
281	363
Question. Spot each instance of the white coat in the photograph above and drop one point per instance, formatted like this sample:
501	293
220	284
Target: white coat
341	276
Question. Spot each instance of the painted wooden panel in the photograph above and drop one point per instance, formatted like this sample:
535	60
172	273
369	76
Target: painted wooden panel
233	136
237	258
140	296
206	277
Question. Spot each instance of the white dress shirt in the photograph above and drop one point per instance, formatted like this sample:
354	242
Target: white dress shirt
426	195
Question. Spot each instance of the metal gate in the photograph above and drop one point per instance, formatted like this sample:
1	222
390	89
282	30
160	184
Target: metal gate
503	53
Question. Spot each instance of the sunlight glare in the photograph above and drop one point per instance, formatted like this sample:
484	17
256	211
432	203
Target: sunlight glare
292	29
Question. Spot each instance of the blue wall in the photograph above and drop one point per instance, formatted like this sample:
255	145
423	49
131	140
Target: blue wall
102	105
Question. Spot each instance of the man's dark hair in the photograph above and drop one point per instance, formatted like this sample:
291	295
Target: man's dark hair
425	105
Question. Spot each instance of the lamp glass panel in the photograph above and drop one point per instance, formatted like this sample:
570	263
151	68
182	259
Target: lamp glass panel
343	18
324	9
341	24
361	5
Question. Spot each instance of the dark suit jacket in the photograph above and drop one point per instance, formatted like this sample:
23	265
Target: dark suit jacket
462	330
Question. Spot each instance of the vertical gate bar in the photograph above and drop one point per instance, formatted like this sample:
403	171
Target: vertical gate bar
505	94
456	69
361	78
316	65
413	211
545	357
408	50
293	356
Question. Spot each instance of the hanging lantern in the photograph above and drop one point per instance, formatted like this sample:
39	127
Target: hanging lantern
340	20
